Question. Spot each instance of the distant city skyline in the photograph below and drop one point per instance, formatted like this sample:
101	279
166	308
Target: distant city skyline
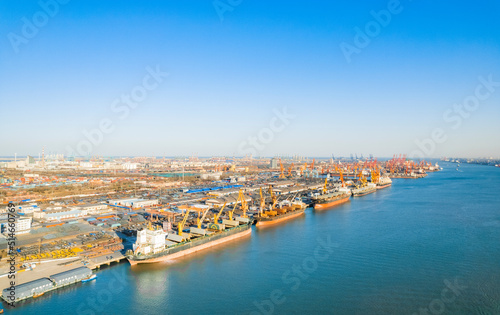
179	79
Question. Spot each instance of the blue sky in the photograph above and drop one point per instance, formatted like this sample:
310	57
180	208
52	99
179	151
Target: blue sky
227	77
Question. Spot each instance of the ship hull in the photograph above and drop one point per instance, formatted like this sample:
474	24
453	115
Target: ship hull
191	249
330	204
383	186
279	218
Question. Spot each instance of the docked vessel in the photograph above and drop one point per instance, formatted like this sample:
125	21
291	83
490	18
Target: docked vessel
152	246
368	188
155	245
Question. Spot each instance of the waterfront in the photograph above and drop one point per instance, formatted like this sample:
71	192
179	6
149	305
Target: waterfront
390	253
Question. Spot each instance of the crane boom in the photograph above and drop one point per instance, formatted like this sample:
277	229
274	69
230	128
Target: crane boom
180	226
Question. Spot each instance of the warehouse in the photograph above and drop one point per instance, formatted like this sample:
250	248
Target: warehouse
134	203
71	276
28	289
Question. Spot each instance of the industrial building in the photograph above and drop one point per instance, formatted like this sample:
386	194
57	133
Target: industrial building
134	203
22	225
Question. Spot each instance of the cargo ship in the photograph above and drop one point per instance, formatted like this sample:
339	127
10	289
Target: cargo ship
364	190
39	287
153	246
332	199
383	182
283	211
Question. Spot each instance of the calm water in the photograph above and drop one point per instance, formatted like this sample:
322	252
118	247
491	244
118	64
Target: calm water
423	244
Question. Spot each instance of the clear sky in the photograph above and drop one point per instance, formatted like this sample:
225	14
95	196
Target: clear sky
233	64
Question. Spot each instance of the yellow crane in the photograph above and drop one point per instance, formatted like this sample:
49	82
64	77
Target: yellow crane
244	206
230	213
324	187
216	216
